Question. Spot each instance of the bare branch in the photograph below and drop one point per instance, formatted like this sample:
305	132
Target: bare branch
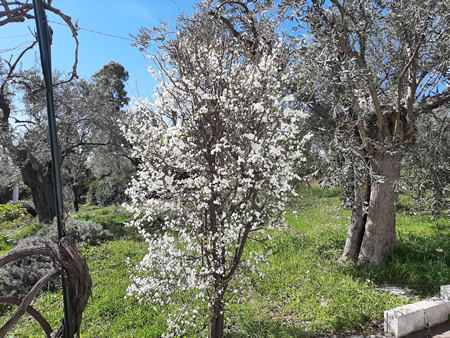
4	105
233	30
339	6
23	121
68	20
20	14
346	49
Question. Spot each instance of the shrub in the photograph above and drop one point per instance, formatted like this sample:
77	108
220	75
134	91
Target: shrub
87	232
9	212
110	190
18	277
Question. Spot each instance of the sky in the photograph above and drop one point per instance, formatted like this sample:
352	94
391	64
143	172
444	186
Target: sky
114	17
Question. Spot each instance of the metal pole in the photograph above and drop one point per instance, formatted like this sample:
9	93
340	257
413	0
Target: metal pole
43	33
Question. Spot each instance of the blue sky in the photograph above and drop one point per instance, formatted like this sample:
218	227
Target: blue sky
113	17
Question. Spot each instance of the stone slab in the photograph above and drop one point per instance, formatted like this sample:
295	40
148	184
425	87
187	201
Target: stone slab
414	317
445	292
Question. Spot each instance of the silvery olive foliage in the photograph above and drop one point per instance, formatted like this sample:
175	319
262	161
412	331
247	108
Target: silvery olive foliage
427	165
87	111
217	151
10	178
370	72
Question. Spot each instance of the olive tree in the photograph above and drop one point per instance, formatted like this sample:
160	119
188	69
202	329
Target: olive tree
217	153
368	70
87	117
87	110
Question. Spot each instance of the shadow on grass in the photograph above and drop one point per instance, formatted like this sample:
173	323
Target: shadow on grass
421	263
246	322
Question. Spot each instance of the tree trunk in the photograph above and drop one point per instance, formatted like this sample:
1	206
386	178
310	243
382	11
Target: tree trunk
39	178
372	233
76	198
218	319
358	222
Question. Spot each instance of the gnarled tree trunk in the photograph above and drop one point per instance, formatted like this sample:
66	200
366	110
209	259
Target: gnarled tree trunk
372	233
39	178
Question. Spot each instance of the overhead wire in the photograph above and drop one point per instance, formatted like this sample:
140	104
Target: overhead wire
62	24
92	31
26	44
14	37
22	46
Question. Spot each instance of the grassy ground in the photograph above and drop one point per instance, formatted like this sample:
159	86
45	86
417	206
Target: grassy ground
304	291
12	231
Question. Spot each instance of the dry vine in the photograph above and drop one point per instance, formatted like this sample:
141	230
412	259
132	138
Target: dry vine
70	263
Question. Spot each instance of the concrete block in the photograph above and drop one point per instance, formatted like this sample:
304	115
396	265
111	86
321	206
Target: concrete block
445	292
409	318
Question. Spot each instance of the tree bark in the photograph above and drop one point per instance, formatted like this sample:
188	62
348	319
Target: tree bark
39	178
217	324
372	233
379	234
76	198
358	222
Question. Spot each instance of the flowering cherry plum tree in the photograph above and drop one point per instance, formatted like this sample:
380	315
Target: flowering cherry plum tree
217	153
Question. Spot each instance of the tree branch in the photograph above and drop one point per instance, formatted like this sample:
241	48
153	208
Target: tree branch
230	26
398	124
68	20
346	49
432	103
19	14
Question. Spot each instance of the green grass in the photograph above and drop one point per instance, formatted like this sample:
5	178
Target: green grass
5	245
305	292
11	231
111	217
107	313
